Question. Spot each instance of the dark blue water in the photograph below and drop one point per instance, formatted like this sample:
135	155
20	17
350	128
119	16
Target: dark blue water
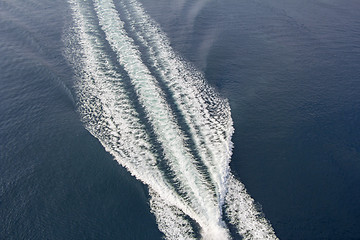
290	70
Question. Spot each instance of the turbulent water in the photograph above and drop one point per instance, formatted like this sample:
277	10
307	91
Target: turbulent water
232	119
156	115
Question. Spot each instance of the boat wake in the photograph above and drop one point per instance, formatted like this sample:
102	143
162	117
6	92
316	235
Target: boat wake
159	119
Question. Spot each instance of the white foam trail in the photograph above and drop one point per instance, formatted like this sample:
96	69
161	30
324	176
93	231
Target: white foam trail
244	215
159	115
101	106
170	219
214	145
211	131
109	114
106	110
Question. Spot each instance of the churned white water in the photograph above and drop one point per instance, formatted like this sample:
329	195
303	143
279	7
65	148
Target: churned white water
98	45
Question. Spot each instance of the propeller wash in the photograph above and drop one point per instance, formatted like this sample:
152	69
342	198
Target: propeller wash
156	115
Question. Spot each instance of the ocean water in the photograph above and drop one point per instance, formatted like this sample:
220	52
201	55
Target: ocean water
149	119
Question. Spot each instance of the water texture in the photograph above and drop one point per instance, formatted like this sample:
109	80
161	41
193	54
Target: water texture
188	98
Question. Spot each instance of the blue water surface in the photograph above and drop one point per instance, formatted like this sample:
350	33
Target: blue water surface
290	70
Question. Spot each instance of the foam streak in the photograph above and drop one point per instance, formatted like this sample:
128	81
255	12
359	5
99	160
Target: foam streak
162	84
